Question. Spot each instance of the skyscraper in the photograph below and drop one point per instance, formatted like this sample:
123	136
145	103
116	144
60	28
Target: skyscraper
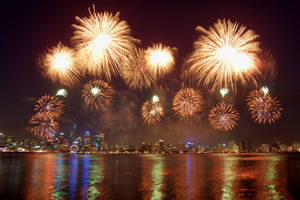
87	138
161	146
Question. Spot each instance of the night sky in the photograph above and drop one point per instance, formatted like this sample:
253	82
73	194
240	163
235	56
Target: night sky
29	29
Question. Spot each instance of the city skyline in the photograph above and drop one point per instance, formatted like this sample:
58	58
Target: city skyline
22	84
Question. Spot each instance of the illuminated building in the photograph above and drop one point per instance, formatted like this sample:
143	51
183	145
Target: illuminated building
161	146
169	148
98	141
180	147
144	147
72	133
232	147
244	146
87	138
61	137
190	147
296	146
265	148
156	147
131	149
10	139
201	148
2	138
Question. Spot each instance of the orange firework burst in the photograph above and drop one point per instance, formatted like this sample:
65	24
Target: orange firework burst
160	59
152	112
225	54
188	103
58	64
43	127
262	107
97	94
103	41
50	107
223	117
136	73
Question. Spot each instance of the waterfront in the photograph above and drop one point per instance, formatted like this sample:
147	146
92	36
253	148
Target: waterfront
153	176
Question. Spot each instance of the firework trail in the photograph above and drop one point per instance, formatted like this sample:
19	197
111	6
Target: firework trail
188	103
223	117
224	55
58	64
136	73
97	94
262	107
152	112
103	42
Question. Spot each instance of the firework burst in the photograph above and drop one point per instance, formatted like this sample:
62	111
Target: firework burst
262	107
223	117
103	41
188	103
152	112
97	94
59	64
160	59
50	107
136	73
225	54
43	127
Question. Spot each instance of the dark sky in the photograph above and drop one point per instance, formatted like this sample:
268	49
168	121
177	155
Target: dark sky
30	28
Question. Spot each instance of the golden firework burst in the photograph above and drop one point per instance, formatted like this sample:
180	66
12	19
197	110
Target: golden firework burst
136	73
223	117
224	55
160	59
58	64
152	112
97	94
103	42
263	107
188	103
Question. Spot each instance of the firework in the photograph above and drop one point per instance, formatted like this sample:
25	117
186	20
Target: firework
42	127
136	73
188	103
97	94
225	54
49	107
62	92
223	117
224	91
152	112
160	59
103	41
262	107
58	64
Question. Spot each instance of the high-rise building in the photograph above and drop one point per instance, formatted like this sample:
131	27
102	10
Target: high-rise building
232	147
156	147
265	148
87	138
144	147
61	137
72	134
296	146
161	146
149	147
2	138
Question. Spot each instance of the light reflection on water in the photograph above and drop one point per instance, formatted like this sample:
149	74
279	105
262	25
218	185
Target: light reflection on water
157	177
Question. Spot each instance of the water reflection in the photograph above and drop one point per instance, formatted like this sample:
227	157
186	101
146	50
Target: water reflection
72	176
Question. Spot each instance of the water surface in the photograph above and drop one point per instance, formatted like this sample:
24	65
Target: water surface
153	176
